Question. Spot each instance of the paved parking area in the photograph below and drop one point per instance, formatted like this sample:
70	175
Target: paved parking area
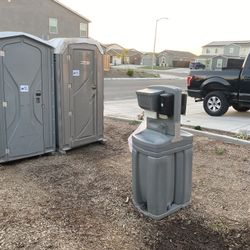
232	121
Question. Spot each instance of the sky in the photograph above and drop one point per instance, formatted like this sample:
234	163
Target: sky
191	24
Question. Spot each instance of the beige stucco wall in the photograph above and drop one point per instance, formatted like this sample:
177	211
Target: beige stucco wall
32	16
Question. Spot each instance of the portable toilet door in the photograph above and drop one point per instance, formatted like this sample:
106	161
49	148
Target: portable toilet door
79	83
84	96
27	97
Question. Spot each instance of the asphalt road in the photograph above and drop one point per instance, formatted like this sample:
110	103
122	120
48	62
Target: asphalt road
125	88
120	101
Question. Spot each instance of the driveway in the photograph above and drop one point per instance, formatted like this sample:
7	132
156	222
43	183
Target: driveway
120	101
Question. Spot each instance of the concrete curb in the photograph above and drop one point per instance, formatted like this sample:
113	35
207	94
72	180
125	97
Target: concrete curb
224	138
141	78
135	78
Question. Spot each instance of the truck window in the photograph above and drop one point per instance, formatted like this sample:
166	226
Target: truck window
246	67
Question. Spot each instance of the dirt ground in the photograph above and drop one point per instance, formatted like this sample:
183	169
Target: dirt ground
82	200
122	73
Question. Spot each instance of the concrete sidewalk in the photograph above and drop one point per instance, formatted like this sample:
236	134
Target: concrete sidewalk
232	121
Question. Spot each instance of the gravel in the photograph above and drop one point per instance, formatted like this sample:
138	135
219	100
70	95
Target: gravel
83	200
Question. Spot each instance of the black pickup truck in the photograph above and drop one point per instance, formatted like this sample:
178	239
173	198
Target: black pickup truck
221	89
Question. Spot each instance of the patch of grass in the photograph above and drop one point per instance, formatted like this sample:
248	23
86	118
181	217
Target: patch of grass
219	226
144	74
123	73
134	123
243	135
220	151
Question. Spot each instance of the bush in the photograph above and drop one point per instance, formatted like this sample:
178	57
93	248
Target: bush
198	127
130	72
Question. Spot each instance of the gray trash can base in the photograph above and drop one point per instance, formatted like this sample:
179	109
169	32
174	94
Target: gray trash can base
174	208
162	173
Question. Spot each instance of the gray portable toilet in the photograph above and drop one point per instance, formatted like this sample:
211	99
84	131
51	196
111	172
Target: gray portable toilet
79	91
27	120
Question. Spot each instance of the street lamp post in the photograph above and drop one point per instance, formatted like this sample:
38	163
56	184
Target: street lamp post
153	56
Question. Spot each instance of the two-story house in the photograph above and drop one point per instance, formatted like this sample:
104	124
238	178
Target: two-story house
46	19
224	54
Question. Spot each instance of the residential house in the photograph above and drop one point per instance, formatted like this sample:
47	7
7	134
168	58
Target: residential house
134	57
115	52
120	55
147	59
174	58
46	19
224	54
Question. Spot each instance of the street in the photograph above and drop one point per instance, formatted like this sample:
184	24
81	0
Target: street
120	101
125	88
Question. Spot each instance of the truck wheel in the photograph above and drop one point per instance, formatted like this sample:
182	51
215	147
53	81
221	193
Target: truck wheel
215	103
239	108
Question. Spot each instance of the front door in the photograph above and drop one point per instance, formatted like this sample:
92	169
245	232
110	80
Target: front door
83	96
22	81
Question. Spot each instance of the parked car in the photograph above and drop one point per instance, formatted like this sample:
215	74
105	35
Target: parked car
221	89
196	65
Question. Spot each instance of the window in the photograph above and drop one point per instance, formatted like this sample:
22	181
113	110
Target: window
207	51
53	29
83	30
231	50
216	51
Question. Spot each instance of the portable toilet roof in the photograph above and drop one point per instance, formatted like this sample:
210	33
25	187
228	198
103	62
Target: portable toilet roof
9	34
61	44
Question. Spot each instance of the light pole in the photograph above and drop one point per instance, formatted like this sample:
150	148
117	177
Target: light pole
153	56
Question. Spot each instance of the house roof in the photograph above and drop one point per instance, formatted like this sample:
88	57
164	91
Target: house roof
225	43
146	53
128	52
113	46
73	11
149	54
133	52
205	56
179	54
114	52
